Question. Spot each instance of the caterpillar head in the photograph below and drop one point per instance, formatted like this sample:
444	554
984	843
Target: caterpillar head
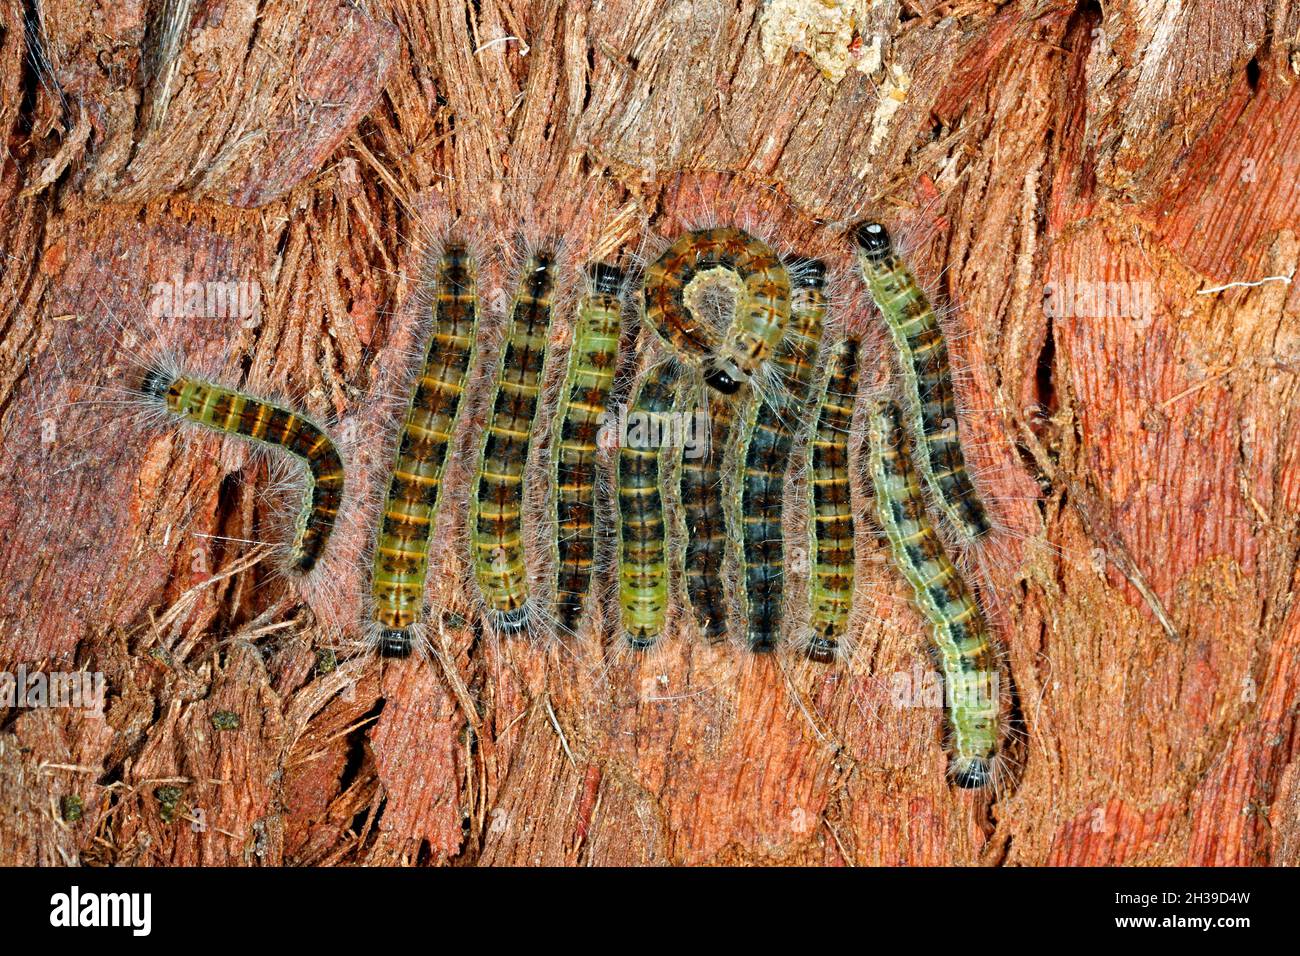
807	273
606	279
873	240
971	773
723	376
395	642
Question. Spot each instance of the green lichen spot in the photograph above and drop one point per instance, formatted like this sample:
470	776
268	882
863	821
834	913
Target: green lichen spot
169	799
326	661
225	720
72	808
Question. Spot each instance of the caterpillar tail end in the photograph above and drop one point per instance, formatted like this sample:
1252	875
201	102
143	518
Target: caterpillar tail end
395	642
971	773
872	239
762	643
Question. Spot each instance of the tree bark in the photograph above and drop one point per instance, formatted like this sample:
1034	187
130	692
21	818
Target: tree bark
1049	159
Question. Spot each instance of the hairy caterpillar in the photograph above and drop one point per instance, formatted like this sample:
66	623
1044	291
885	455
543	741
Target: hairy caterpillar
960	635
928	395
401	555
232	412
592	360
496	503
832	551
643	565
709	523
767	439
761	289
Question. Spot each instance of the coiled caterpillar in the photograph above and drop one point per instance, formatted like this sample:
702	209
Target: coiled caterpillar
761	289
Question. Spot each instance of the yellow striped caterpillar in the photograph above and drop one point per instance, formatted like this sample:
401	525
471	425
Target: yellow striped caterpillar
758	283
643	564
496	503
961	639
766	441
592	360
928	396
832	550
401	554
232	412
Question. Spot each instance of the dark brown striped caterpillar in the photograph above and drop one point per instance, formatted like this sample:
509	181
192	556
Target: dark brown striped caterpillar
929	399
961	638
401	551
709	522
497	500
593	357
234	413
758	283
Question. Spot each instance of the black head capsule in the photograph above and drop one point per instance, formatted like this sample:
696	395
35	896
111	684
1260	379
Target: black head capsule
720	380
807	273
873	239
605	279
394	643
972	773
156	383
822	650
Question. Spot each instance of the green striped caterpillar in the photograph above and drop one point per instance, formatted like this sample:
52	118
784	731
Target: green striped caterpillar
643	564
767	439
232	412
497	500
960	636
709	523
928	395
401	554
758	282
592	360
831	551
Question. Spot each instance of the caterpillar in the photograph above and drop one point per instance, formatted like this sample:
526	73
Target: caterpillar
496	503
767	440
759	284
831	551
709	524
592	360
960	635
643	566
929	398
226	410
401	554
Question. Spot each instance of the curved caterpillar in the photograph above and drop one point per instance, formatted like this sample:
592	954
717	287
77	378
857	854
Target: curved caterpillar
709	523
960	635
643	566
832	551
762	306
592	360
496	509
401	557
929	399
768	437
232	412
